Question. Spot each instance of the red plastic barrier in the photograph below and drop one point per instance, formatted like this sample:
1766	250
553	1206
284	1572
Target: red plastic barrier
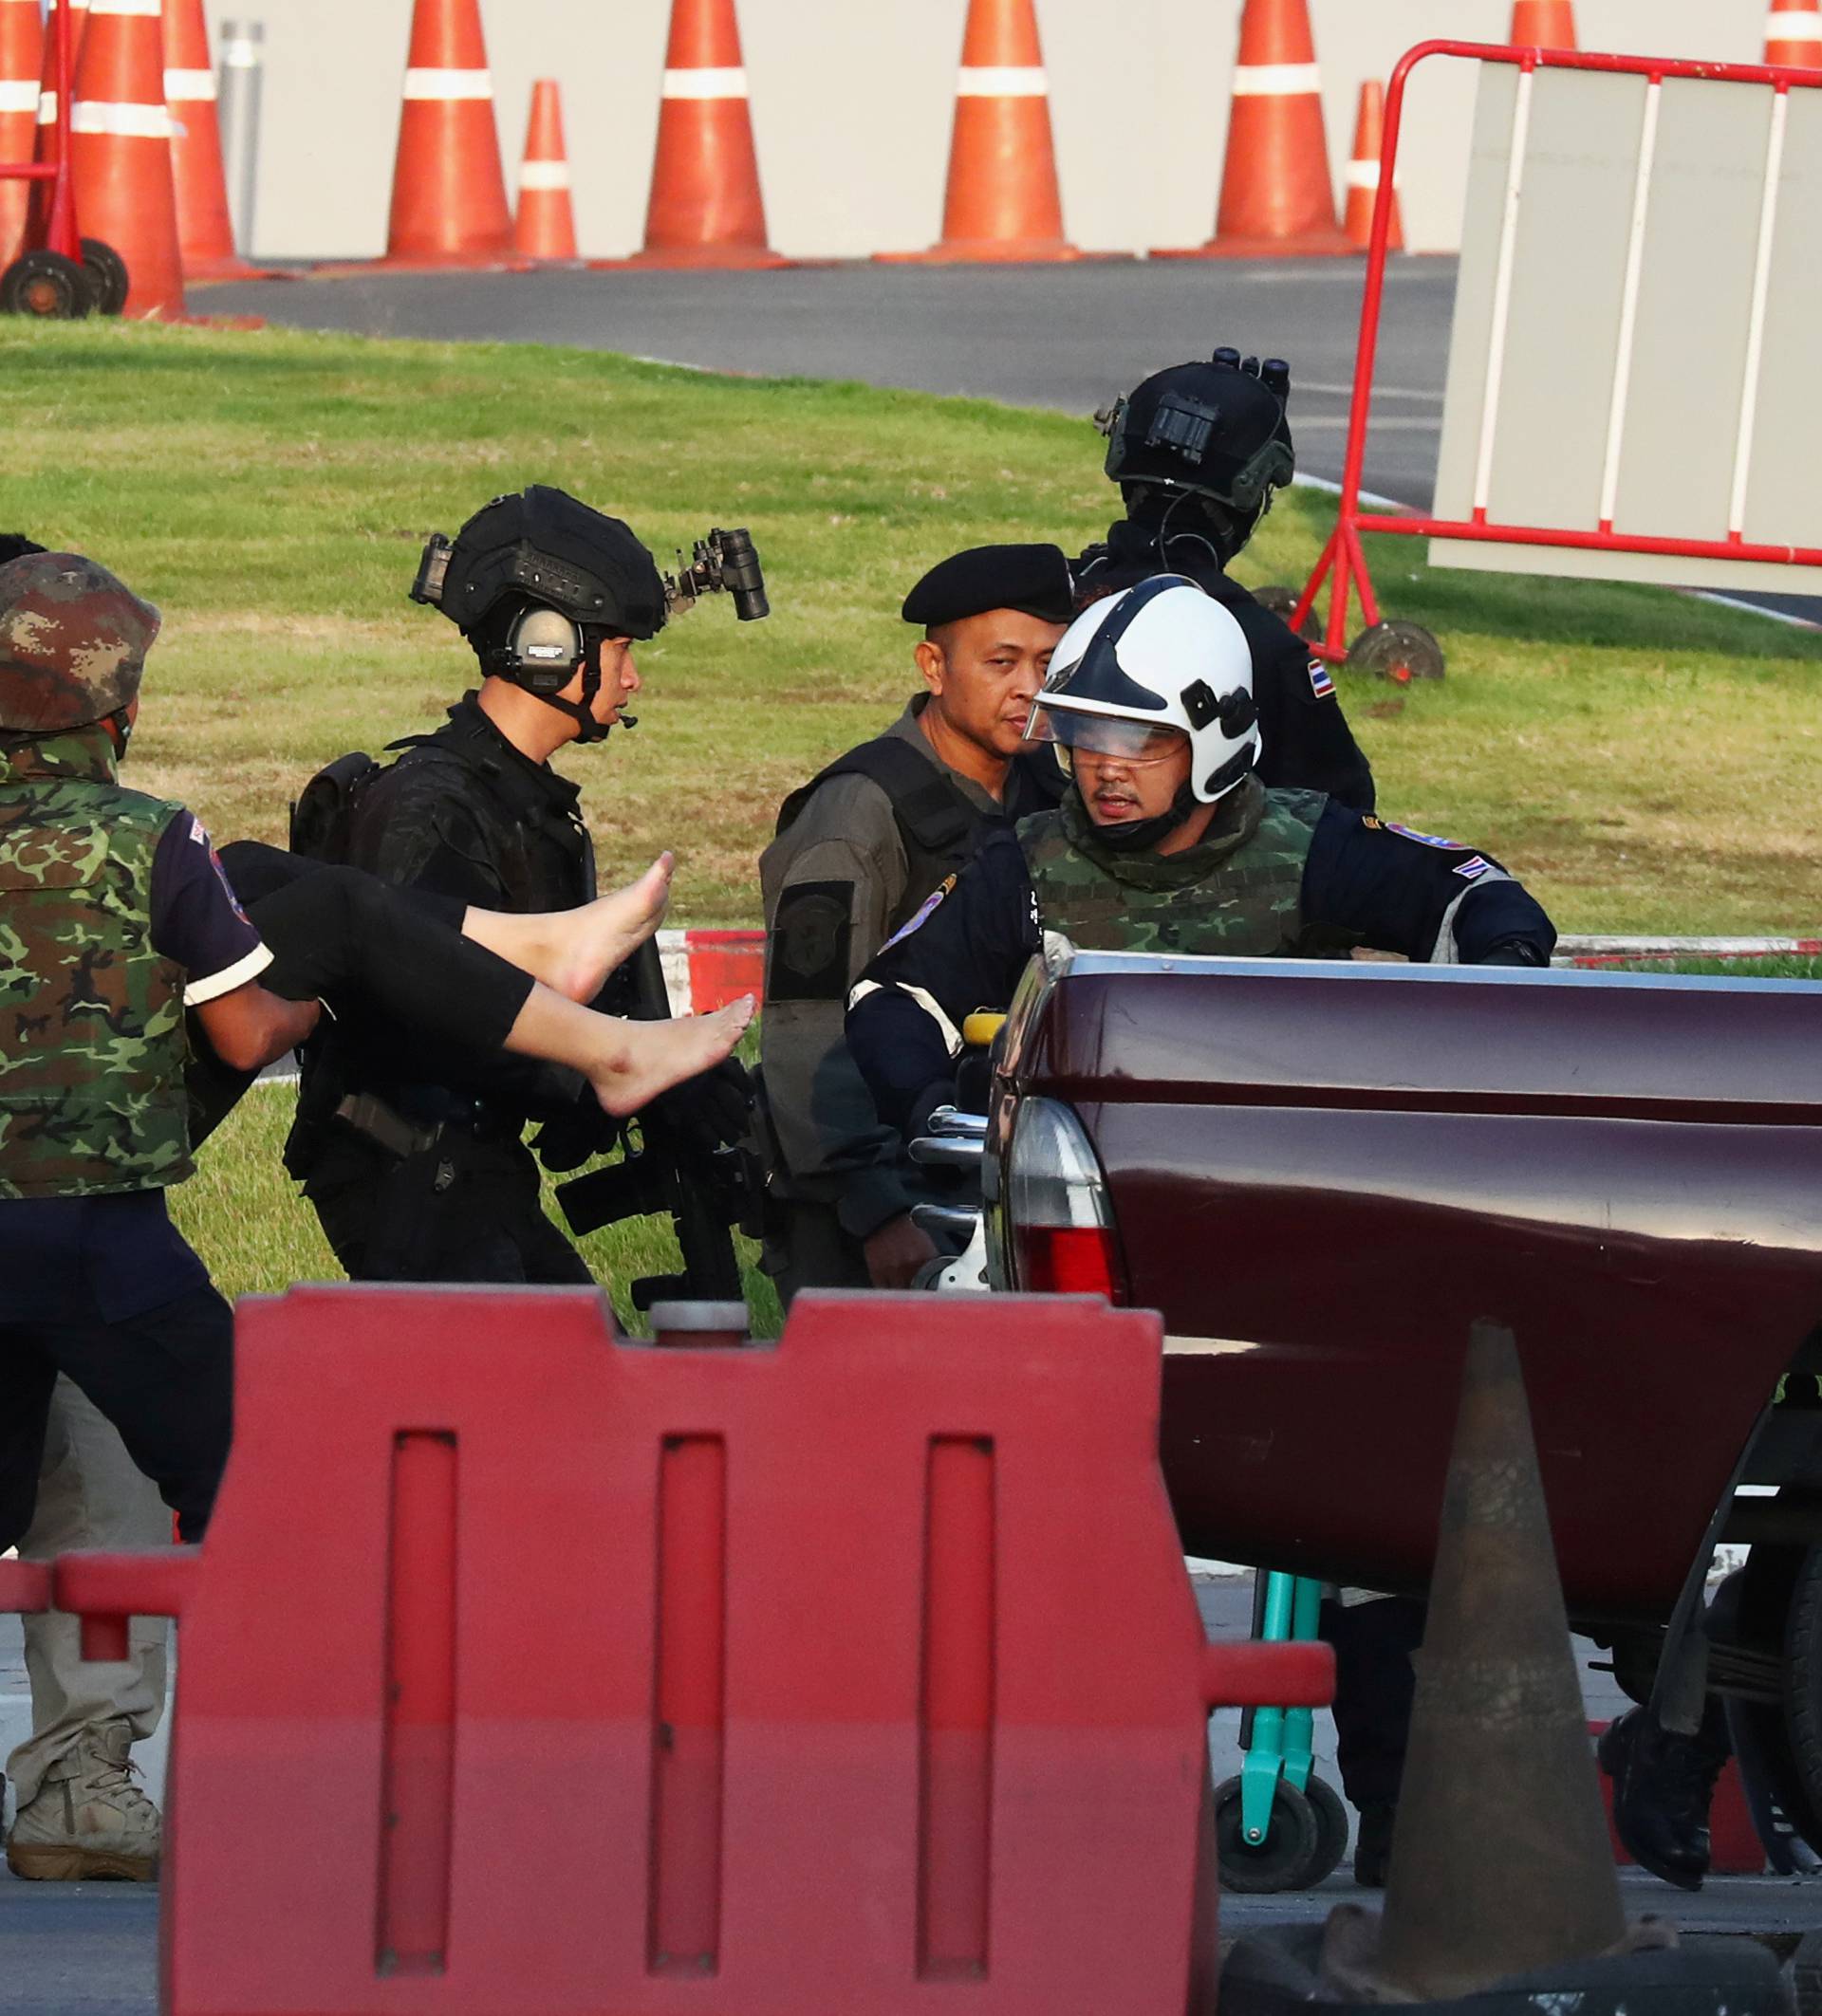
25	1585
576	1675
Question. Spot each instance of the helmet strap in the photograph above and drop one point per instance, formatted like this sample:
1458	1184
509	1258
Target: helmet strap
1134	836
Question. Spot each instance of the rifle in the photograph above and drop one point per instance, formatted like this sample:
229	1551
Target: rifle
701	1204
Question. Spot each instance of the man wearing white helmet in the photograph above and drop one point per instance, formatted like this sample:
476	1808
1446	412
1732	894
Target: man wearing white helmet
1167	841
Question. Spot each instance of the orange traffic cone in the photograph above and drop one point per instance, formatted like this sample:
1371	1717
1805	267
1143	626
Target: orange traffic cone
121	151
205	231
1003	202
705	207
448	189
22	37
1543	24
1276	195
546	227
1793	36
1362	174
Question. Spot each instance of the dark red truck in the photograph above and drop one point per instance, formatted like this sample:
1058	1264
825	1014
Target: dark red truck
1322	1173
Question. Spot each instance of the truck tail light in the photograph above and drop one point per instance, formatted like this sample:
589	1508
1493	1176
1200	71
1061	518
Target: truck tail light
1062	1236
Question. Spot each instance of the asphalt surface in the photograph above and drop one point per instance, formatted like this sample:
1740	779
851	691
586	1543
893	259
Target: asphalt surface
1068	337
91	1948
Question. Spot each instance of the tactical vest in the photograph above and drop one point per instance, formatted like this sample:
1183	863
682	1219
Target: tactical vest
939	826
1246	905
92	1045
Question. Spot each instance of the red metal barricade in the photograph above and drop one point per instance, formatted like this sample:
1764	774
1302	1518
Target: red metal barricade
59	232
533	1671
1343	564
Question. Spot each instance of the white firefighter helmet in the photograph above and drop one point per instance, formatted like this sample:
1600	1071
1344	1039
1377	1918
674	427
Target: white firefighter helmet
1139	671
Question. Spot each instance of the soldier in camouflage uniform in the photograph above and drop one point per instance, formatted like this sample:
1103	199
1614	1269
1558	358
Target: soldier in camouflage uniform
113	910
1167	841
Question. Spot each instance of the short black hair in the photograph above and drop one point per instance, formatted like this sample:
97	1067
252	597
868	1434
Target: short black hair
15	546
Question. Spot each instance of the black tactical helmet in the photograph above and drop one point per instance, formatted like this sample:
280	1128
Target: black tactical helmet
544	545
1215	431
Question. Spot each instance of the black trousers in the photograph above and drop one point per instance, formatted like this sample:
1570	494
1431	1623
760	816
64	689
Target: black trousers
393	956
164	1378
1375	1684
460	1210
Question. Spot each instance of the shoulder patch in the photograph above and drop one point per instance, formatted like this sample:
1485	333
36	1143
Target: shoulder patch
1321	685
810	941
923	910
1471	870
1425	839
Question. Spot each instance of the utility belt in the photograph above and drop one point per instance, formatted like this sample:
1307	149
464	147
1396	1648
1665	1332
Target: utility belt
407	1119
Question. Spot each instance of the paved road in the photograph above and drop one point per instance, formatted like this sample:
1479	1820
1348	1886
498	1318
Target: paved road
90	1950
1067	336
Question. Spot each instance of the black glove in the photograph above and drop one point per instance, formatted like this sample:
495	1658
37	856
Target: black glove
569	1141
703	1113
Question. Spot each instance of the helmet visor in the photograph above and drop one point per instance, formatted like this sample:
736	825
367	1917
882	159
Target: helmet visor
1104	734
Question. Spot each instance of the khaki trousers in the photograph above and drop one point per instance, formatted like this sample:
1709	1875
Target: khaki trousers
89	1496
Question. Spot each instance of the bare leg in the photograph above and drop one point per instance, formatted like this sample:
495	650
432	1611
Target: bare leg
628	1064
572	951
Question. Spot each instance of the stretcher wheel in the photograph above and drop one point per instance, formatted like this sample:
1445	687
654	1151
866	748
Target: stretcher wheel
1398	652
1331	1833
1282	602
107	275
1292	1841
47	285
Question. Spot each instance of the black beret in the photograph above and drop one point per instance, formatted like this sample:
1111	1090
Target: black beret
1034	580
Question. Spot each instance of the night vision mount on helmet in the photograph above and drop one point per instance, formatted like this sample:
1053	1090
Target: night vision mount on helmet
73	640
537	581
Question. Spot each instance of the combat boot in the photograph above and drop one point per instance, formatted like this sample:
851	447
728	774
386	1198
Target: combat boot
1373	1844
1664	1785
88	1820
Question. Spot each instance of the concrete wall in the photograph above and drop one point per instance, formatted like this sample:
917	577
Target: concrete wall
852	105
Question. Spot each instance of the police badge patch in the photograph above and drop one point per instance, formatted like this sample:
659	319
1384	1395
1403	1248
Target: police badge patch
811	938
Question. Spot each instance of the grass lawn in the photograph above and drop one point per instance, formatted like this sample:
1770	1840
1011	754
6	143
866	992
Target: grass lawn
1646	761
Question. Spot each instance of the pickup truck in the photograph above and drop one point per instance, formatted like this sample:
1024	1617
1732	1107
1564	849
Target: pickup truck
1323	1171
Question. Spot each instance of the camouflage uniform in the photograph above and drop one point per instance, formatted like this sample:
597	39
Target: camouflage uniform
93	1112
92	1047
1239	892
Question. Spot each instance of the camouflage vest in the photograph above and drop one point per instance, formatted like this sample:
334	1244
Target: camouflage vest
92	1047
1238	893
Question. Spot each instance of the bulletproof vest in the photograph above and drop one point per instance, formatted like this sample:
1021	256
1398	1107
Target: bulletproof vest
92	1045
939	826
1246	905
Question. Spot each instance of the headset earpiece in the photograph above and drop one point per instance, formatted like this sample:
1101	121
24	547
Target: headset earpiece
543	651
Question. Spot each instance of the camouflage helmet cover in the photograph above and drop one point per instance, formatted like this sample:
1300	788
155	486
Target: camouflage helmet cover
73	640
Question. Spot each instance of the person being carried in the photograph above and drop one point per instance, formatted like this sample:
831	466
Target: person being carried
122	934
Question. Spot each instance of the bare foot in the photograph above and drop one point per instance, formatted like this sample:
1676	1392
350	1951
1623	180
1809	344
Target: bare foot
601	934
647	1058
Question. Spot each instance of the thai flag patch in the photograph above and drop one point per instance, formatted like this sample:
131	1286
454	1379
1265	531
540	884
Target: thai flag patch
1321	685
1471	870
